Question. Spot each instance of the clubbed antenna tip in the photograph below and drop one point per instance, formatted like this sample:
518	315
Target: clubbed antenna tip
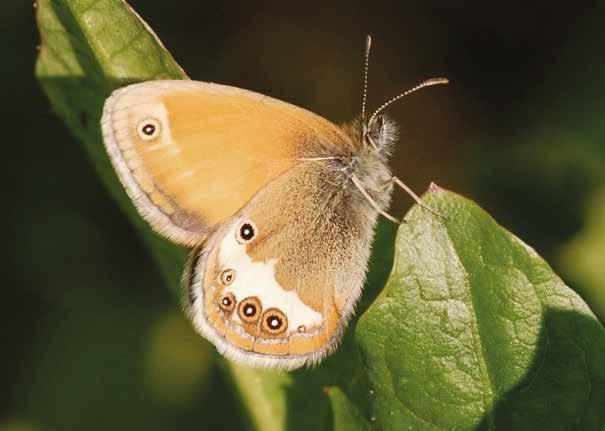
427	83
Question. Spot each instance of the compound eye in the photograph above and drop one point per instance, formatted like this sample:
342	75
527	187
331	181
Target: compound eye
274	321
148	129
246	232
377	124
249	309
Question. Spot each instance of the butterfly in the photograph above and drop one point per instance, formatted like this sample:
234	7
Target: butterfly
277	203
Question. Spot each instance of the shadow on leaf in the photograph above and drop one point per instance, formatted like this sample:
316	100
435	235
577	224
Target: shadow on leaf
565	386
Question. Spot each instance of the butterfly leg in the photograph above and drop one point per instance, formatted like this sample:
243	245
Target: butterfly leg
414	196
371	200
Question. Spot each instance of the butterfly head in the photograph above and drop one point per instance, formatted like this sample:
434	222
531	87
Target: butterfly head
380	134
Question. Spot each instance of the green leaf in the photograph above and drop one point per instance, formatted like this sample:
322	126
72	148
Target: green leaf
472	331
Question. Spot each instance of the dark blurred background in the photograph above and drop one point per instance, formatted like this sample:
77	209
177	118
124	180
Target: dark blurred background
92	339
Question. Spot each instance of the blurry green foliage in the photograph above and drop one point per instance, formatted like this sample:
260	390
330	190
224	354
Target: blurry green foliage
177	363
583	258
473	330
553	166
17	426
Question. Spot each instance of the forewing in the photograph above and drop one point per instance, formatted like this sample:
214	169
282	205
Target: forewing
191	154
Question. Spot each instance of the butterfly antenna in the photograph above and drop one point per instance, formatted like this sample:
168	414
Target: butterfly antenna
366	64
427	83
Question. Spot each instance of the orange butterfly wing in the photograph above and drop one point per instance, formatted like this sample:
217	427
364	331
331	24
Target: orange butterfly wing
190	154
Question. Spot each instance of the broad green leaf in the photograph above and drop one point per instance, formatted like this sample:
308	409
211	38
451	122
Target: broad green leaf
473	329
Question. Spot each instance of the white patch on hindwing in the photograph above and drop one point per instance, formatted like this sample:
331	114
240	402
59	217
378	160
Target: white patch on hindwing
258	279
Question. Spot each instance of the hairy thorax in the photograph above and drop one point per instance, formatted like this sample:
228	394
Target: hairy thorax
365	159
